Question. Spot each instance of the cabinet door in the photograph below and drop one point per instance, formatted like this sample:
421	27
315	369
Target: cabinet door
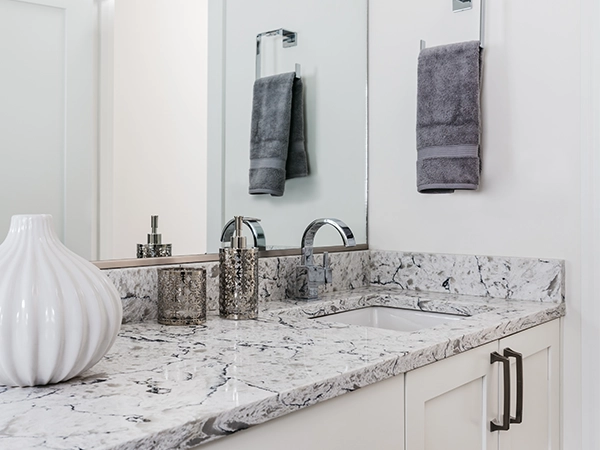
368	418
539	429
449	404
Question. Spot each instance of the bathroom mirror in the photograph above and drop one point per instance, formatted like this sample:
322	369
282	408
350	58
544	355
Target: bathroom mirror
331	53
181	48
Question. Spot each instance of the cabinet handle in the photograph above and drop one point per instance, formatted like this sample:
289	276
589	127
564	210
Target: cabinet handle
510	353
494	358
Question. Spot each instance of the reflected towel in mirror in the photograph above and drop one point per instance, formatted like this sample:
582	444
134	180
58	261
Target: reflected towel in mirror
277	149
448	118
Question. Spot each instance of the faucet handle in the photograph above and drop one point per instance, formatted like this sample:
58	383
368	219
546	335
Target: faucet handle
327	268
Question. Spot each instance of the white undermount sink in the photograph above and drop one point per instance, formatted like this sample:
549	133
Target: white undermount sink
391	318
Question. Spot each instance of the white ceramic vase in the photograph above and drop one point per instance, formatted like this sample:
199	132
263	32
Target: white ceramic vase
59	314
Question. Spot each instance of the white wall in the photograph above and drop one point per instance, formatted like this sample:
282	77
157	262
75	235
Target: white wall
48	118
529	200
32	113
332	44
590	193
159	159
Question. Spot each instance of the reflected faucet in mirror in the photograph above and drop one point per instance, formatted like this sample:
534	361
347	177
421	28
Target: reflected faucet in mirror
258	234
308	276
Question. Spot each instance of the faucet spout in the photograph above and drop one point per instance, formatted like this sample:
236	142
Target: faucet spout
308	238
308	276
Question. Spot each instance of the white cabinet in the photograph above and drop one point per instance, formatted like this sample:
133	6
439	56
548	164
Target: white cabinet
540	428
368	418
451	403
447	405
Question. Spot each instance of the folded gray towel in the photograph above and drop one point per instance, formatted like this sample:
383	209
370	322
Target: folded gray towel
448	114
277	150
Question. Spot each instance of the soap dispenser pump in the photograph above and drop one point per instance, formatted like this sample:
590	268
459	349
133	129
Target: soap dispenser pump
154	248
238	277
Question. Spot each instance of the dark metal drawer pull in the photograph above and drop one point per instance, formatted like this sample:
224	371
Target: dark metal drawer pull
494	358
509	353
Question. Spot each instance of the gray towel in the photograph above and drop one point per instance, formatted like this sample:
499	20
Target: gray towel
277	150
448	113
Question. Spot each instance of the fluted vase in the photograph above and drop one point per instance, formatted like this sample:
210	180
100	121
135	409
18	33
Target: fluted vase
59	314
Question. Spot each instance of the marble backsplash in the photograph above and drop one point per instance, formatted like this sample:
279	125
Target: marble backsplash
510	278
484	276
139	292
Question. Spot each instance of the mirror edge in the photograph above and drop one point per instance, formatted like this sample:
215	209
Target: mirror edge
216	127
132	263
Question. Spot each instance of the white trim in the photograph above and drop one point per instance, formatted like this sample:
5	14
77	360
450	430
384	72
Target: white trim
94	210
216	122
81	72
104	236
590	222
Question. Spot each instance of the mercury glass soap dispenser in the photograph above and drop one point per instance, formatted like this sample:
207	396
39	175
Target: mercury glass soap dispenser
154	248
238	278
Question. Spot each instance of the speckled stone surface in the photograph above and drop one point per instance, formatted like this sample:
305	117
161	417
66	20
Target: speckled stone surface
487	276
509	278
139	292
164	387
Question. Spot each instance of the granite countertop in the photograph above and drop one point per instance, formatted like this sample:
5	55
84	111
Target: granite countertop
176	387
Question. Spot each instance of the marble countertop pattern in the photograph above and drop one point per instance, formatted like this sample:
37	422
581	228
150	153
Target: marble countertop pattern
164	387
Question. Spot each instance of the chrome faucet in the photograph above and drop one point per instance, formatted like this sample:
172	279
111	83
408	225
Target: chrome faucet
308	276
258	233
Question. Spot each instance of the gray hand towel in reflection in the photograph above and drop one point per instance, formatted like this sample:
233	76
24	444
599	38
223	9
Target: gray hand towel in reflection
277	150
448	118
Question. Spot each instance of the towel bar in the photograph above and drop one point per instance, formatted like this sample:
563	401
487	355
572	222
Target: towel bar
290	39
464	5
